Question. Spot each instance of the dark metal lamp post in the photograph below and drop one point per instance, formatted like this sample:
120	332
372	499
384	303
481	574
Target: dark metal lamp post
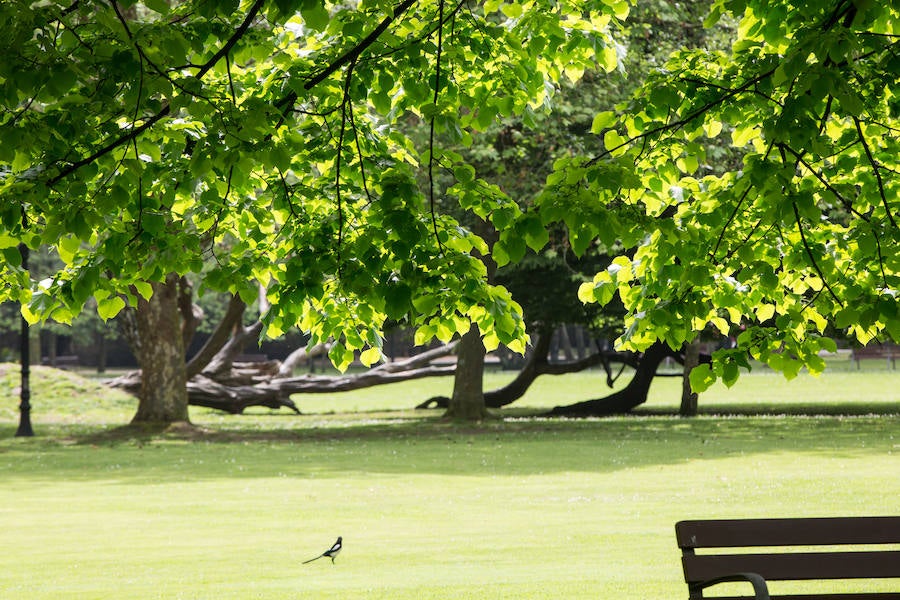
25	429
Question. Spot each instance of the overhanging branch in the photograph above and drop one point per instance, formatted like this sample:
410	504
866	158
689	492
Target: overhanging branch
353	53
135	132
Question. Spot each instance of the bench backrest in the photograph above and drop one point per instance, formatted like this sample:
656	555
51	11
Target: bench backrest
773	565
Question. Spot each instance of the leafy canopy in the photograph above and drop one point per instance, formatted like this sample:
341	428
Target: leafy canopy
802	235
262	142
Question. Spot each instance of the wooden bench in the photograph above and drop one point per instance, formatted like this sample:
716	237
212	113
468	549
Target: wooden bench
887	352
62	361
756	551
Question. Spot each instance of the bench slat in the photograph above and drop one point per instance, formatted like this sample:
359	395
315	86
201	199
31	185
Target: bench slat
735	533
794	566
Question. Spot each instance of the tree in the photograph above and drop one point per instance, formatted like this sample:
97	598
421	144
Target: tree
139	139
804	234
517	154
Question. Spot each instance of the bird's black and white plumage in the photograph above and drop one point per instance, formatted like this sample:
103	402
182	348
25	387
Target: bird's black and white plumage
330	553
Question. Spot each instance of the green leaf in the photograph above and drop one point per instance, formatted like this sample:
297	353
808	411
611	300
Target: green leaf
370	356
464	173
513	11
603	121
536	236
12	256
110	307
341	356
608	59
701	378
67	247
586	292
484	118
613	141
160	6
144	289
620	7
397	301
730	373
315	15
153	222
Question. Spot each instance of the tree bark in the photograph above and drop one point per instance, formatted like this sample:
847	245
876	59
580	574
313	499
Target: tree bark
163	394
689	397
515	389
629	397
467	401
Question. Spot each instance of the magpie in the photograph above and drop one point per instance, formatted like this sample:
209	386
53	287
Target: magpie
330	553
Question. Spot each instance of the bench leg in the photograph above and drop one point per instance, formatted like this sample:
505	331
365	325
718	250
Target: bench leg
760	589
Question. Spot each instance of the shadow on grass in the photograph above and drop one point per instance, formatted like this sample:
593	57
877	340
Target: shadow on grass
402	444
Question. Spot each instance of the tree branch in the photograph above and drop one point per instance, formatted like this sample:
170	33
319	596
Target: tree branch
685	120
876	170
355	51
134	132
437	90
811	256
219	337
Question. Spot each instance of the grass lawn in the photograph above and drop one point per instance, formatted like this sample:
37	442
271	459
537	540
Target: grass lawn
519	507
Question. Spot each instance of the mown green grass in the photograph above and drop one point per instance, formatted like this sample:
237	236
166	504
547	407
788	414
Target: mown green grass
520	507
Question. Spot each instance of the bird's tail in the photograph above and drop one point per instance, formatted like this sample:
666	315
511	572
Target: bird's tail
312	559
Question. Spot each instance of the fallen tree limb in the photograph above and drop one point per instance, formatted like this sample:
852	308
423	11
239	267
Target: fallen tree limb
260	384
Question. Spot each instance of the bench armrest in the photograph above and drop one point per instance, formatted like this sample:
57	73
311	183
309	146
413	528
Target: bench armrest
760	589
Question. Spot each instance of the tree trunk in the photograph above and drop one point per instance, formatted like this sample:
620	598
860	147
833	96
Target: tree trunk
467	402
224	359
163	395
688	396
626	399
536	364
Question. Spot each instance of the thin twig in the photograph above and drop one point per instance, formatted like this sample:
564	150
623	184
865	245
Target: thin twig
811	256
876	170
359	154
437	90
348	78
685	120
730	220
